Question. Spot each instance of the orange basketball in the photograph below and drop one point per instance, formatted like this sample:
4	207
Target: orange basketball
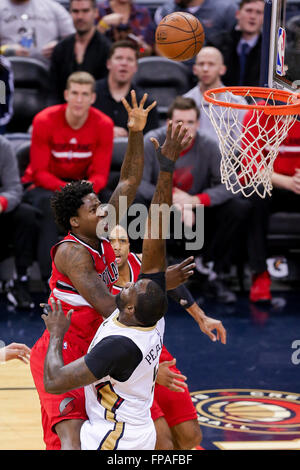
179	36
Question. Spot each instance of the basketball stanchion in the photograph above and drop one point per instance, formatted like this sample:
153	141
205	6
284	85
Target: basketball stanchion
249	148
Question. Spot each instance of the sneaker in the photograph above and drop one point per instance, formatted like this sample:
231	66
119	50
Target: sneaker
18	295
217	290
260	289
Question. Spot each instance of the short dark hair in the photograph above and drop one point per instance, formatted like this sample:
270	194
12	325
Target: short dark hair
244	2
66	202
183	103
125	43
93	2
151	305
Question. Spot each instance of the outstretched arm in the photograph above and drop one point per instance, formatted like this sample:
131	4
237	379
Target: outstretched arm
154	246
133	164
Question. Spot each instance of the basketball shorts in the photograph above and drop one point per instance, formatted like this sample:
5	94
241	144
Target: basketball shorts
175	407
56	408
106	435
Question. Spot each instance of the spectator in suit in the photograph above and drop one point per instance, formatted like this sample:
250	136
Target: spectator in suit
86	49
123	19
70	142
122	65
31	28
19	227
197	181
242	46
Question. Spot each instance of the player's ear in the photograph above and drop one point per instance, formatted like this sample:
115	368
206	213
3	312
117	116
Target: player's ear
74	222
223	70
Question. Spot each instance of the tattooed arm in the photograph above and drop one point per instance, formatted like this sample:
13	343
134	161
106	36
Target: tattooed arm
154	246
75	262
133	164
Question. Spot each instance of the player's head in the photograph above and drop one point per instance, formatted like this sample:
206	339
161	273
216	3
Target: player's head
184	110
75	208
84	14
250	16
209	67
119	240
122	62
143	301
80	93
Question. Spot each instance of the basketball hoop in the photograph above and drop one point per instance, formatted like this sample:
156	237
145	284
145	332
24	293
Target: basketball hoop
249	147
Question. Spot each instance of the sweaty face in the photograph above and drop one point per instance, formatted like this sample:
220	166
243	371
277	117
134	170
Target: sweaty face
120	243
87	218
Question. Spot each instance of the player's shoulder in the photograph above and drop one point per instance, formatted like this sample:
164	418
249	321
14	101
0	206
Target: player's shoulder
50	114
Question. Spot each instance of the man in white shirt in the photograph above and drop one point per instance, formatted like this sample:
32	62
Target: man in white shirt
32	28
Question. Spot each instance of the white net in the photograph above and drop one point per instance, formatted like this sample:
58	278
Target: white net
248	145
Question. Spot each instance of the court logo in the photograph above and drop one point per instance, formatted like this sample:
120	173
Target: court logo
247	410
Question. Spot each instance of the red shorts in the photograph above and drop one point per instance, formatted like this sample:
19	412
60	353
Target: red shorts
175	407
56	408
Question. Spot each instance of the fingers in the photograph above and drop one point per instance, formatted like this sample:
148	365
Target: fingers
133	99
126	105
151	106
143	100
222	334
155	143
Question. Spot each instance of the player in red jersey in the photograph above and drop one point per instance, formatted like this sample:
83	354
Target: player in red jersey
84	271
173	413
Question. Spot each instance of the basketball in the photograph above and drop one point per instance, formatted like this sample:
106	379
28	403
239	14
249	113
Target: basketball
179	36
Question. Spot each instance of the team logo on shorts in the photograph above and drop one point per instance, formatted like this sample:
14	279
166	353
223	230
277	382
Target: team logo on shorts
66	406
247	410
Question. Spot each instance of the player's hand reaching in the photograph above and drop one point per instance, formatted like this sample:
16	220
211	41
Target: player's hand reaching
208	325
177	274
56	321
15	351
137	115
169	378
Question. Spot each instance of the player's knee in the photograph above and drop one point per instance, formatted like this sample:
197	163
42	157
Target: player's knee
164	442
68	432
191	437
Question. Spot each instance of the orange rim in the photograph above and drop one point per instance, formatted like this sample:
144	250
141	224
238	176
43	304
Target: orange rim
258	92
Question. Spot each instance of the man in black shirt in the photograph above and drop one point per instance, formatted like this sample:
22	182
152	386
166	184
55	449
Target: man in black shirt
122	65
86	50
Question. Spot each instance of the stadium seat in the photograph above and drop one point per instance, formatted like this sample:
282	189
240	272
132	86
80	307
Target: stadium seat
163	79
23	156
31	92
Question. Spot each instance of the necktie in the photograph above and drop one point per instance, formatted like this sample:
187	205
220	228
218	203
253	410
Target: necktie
243	58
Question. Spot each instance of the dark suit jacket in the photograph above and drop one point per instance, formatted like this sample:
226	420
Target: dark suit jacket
227	43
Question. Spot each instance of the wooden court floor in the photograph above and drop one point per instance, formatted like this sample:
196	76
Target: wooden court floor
20	420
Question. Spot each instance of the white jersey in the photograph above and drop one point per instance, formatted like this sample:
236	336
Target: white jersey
121	408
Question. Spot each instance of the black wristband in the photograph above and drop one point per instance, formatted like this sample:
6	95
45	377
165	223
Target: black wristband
165	163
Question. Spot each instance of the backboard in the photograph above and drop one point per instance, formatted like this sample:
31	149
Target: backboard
280	63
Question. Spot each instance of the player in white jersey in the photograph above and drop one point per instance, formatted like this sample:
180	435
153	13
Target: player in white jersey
120	367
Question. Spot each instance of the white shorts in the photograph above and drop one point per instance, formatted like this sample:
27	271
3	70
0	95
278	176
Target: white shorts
117	436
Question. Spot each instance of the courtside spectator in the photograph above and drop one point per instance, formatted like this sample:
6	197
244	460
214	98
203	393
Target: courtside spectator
122	65
86	50
19	227
32	28
125	19
242	46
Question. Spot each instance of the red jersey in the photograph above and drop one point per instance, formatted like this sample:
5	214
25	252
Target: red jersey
85	319
134	264
59	153
288	158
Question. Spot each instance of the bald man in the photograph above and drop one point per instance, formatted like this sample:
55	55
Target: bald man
209	68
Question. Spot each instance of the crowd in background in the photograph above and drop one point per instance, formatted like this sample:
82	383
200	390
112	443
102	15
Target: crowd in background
91	51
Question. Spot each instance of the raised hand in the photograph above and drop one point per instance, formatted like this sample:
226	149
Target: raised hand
175	141
137	115
56	321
